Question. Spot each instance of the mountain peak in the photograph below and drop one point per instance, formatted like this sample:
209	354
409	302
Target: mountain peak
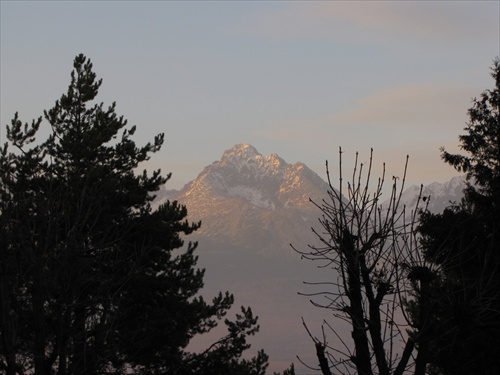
245	160
267	182
241	155
242	149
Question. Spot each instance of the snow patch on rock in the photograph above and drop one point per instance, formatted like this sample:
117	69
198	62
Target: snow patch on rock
253	196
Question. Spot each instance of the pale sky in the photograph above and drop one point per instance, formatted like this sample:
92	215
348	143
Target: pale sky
298	79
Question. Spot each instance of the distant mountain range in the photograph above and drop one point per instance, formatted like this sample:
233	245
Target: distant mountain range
252	207
441	195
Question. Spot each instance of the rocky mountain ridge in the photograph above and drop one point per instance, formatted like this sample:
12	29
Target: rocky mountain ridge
246	179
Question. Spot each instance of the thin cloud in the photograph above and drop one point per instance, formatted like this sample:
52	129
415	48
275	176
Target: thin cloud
439	108
421	105
412	18
366	21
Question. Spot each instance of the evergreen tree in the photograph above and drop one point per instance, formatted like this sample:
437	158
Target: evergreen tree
464	242
92	279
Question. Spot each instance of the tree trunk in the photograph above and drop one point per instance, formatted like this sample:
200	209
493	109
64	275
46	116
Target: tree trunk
323	362
38	321
423	342
6	329
79	357
362	358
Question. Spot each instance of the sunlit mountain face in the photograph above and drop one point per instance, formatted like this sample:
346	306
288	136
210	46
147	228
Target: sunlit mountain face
260	203
252	208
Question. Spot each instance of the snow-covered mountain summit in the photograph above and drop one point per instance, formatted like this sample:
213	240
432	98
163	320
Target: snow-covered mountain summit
246	160
267	182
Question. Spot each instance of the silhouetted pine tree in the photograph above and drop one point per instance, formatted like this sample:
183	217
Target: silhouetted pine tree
464	242
92	280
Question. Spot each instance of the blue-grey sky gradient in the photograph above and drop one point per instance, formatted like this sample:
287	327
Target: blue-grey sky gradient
295	78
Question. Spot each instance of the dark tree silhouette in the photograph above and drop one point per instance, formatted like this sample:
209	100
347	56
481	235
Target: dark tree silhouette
464	242
92	279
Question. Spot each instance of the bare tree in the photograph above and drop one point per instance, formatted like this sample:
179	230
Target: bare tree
377	272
